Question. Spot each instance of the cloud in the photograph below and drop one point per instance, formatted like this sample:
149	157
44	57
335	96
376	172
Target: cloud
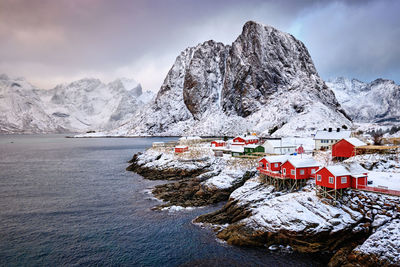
58	41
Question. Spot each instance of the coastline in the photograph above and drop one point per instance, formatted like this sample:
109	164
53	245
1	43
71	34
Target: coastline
336	230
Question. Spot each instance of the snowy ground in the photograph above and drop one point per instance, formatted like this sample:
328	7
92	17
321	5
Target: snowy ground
388	179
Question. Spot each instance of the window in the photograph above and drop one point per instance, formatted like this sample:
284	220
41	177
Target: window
267	165
276	165
284	171
313	171
319	178
344	180
301	172
331	180
292	172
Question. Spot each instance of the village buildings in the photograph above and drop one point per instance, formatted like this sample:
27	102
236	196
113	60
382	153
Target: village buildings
326	138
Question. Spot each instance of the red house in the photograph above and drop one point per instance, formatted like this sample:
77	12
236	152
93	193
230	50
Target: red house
218	143
345	148
245	140
342	176
181	149
272	163
297	168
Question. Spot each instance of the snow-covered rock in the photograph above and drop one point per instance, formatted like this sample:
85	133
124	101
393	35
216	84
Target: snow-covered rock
80	106
377	101
22	110
383	245
265	81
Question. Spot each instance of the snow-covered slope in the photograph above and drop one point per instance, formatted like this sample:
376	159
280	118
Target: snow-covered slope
377	101
21	109
80	106
264	81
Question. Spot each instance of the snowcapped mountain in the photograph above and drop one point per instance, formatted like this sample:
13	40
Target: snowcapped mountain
80	106
377	101
265	81
22	110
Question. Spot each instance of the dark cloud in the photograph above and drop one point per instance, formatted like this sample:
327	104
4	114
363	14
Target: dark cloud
54	41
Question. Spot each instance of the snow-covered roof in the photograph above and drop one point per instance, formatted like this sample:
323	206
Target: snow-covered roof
355	142
353	169
280	158
278	143
218	141
333	135
302	163
237	149
248	137
181	147
338	170
251	146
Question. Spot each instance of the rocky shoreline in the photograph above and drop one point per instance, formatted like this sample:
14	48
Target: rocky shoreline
257	215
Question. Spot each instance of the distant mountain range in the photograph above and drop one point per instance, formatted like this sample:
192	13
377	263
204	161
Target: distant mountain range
377	101
80	106
265	81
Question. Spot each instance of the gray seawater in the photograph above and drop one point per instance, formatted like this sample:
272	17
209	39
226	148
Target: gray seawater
67	201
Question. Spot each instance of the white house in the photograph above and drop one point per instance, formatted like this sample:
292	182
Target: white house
279	146
326	138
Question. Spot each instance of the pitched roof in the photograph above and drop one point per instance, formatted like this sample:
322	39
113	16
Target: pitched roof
302	163
251	146
278	143
355	142
280	158
351	168
334	135
338	170
181	147
237	149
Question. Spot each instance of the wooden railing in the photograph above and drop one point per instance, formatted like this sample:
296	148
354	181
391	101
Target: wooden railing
379	190
272	173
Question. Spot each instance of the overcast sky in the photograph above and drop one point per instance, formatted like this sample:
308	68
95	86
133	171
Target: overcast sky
50	42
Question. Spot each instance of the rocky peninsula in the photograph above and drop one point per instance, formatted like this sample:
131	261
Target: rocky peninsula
359	229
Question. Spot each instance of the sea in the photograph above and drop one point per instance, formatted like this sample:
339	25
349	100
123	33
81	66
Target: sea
70	202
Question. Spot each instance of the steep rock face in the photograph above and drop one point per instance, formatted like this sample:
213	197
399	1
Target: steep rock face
265	80
264	61
377	101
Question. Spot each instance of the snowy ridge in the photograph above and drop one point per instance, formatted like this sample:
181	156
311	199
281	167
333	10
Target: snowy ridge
377	101
264	81
80	106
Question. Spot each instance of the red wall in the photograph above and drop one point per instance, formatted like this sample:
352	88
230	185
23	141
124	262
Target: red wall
325	174
264	162
361	181
270	167
289	167
342	149
181	150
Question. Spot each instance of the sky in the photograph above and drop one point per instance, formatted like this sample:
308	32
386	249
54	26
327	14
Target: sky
50	42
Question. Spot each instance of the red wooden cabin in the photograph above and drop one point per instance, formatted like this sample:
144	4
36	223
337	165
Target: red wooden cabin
181	149
295	168
218	143
350	175
345	148
245	140
337	177
272	163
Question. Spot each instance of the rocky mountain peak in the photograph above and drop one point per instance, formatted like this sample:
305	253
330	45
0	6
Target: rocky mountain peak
214	88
